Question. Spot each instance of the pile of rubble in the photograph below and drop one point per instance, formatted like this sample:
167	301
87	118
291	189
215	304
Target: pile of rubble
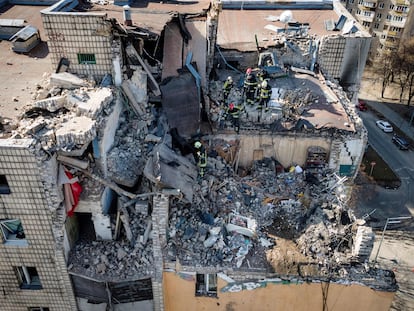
234	220
117	260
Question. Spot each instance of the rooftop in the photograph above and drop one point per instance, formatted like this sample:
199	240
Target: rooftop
20	73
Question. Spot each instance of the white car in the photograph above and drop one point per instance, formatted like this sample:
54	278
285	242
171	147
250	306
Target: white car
385	126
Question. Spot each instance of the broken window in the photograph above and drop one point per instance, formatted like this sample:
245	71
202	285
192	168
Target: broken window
86	59
11	232
38	309
206	285
28	278
4	185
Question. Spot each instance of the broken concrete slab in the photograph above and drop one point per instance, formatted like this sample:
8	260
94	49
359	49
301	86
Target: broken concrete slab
66	80
133	103
51	104
98	99
165	168
75	132
137	60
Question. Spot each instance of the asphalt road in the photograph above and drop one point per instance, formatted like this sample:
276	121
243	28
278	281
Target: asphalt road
388	202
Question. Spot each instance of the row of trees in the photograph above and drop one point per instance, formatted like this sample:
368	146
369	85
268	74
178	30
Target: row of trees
397	66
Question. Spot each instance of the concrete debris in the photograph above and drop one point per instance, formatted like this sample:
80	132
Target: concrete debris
97	100
296	99
116	260
242	225
168	169
234	220
126	159
136	59
51	104
66	80
77	131
363	243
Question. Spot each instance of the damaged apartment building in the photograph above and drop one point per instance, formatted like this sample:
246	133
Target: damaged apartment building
101	203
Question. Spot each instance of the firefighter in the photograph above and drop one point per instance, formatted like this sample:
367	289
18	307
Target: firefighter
249	86
264	95
262	75
201	157
227	86
234	113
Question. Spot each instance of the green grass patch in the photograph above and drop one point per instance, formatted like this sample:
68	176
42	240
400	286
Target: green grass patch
381	173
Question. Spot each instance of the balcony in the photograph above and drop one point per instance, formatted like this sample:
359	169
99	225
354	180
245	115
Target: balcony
366	16
402	11
393	34
368	4
401	2
392	23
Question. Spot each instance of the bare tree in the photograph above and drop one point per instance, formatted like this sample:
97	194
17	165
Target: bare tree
383	67
403	64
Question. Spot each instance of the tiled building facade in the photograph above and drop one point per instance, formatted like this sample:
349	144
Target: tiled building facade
33	271
65	33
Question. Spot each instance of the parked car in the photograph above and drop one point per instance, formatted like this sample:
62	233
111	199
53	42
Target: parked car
362	106
385	126
400	142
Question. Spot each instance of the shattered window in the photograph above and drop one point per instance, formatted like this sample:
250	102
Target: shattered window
4	185
11	232
206	285
28	278
86	59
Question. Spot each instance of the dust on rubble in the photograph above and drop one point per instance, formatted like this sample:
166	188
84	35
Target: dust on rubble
286	258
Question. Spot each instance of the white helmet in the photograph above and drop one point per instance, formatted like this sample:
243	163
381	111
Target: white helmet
197	144
264	84
230	79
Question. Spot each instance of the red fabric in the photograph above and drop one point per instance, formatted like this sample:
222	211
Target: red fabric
76	192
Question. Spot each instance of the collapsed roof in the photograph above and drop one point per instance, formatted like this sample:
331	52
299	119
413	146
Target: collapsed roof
235	217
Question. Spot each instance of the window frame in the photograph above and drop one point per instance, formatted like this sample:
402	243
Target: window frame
206	285
86	58
4	185
9	238
28	278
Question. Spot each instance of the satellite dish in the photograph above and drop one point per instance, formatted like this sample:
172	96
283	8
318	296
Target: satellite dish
286	16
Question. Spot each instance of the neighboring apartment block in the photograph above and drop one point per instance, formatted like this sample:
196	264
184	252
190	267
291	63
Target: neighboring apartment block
103	203
387	20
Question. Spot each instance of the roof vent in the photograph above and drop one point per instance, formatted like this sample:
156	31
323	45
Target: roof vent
286	16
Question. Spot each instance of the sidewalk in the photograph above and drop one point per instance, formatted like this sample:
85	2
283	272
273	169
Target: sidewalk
371	92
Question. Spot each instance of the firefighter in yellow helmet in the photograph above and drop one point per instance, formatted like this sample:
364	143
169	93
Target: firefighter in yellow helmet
265	92
201	157
227	86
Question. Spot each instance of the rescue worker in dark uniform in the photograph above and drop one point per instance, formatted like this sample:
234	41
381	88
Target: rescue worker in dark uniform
265	93
234	113
201	158
227	86
262	75
249	86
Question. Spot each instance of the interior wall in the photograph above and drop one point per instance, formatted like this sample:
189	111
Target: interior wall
179	294
108	135
287	149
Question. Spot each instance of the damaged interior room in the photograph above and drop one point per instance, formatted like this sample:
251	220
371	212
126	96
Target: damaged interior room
190	156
